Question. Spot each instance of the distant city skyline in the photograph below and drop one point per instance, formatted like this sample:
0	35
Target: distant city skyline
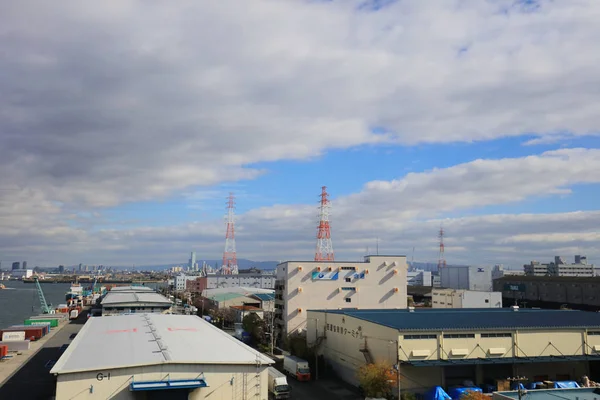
121	148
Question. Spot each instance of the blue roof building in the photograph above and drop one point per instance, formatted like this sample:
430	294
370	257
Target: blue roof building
454	347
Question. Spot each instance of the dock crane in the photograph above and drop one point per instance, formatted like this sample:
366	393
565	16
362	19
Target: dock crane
45	306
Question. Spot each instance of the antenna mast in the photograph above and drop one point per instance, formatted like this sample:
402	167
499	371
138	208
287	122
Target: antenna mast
230	266
441	258
324	250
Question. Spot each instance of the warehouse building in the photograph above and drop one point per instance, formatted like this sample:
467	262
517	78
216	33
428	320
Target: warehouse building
551	291
134	299
378	282
460	298
446	347
155	356
466	277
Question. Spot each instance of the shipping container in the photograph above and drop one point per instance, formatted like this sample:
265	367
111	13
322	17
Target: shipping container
53	322
20	345
3	350
46	328
35	332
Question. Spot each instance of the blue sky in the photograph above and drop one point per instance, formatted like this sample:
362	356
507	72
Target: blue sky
121	147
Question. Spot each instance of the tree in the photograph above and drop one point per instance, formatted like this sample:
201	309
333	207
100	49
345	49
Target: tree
256	327
377	380
223	316
473	395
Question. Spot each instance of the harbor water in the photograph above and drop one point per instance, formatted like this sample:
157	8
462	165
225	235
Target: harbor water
20	300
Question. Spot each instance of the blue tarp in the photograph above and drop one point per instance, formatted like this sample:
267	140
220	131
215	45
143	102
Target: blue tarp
437	393
514	386
534	385
566	384
456	393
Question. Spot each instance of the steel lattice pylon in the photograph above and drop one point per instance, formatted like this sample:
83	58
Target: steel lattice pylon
230	266
441	258
324	250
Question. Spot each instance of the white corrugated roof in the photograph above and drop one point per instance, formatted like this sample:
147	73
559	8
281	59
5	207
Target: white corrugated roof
116	298
148	339
142	289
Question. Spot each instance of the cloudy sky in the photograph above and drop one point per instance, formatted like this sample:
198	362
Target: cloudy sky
124	125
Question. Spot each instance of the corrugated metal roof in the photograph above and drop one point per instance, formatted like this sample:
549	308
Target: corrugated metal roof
131	289
474	319
264	296
225	296
116	298
131	340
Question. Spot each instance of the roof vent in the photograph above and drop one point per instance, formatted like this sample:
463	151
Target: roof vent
515	308
411	309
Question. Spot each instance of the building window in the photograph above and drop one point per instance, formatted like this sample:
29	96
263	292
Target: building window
414	337
348	300
594	333
348	279
494	335
487	300
459	336
348	268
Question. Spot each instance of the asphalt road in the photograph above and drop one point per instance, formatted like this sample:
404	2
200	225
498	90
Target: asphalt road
33	381
323	389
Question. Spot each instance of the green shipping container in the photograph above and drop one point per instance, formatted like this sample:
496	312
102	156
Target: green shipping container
53	322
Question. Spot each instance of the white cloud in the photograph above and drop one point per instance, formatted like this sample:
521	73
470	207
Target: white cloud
401	214
133	100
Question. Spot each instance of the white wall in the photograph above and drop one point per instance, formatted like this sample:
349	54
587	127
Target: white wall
452	298
383	286
218	377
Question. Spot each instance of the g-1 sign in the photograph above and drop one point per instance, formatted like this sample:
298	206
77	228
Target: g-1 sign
13	336
511	287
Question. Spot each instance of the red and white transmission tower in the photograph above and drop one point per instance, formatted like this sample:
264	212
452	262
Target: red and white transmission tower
230	266
441	258
324	247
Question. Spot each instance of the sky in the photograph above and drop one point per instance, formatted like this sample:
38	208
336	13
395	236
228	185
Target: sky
124	127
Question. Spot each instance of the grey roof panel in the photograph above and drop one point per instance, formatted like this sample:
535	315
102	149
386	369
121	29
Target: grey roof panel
115	298
129	340
474	318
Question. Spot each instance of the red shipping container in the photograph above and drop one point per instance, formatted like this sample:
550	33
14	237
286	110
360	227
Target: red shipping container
3	350
36	332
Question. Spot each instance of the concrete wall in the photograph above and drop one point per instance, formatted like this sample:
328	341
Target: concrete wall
344	337
218	377
383	286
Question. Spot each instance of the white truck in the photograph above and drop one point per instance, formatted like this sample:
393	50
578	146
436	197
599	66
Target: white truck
297	367
278	386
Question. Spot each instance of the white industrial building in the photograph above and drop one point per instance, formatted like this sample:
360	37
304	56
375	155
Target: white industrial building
155	356
466	277
460	298
419	278
134	299
262	280
446	347
179	281
21	273
378	282
580	268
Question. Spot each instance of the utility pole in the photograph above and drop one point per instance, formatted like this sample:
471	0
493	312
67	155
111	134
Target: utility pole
316	349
